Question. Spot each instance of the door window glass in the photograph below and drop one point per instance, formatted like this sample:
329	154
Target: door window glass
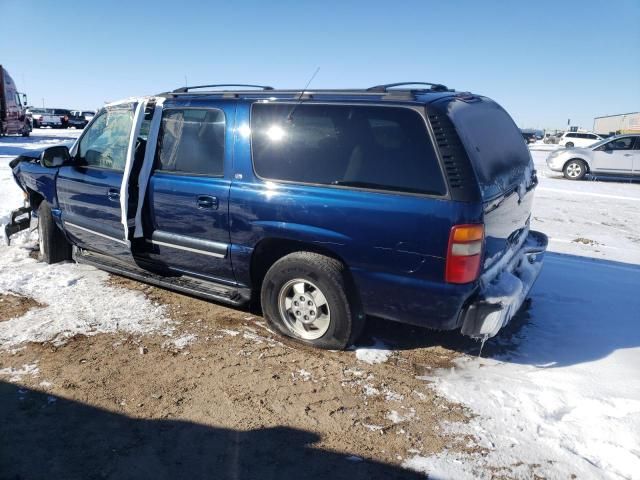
105	143
624	143
192	141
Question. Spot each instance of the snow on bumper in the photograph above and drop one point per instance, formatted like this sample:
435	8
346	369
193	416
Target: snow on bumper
500	298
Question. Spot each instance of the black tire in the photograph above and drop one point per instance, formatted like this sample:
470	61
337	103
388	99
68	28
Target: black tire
331	278
575	169
54	247
569	144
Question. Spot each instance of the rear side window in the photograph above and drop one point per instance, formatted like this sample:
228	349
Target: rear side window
382	148
191	141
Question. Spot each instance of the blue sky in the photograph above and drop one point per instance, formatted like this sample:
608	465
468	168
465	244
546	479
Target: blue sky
544	61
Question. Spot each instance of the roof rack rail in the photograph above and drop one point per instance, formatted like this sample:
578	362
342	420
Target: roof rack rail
187	89
438	87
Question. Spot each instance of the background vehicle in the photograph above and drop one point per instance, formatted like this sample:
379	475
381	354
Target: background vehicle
77	120
529	137
328	205
64	115
13	116
36	116
617	156
48	118
578	139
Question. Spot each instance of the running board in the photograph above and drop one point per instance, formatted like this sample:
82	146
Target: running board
184	284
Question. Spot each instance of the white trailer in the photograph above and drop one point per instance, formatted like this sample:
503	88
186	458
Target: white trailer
615	124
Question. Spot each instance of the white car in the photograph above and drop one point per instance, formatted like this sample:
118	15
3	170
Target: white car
617	156
578	139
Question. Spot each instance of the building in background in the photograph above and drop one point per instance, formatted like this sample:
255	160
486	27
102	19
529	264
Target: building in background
615	124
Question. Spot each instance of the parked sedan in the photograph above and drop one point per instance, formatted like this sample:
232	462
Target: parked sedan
617	156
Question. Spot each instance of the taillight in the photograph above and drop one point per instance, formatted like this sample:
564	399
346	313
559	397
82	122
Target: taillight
464	253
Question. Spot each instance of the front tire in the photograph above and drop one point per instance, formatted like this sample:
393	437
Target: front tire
569	145
308	297
575	169
54	247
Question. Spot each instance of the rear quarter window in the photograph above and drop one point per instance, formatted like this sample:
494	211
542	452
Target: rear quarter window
381	148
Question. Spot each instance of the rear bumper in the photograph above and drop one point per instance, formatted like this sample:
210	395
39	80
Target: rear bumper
502	296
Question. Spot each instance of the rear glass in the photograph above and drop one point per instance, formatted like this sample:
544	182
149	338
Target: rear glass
382	148
493	142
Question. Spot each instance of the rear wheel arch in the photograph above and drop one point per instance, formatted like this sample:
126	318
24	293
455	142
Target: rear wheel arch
269	250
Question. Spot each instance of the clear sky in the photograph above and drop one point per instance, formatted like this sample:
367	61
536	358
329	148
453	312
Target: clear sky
544	61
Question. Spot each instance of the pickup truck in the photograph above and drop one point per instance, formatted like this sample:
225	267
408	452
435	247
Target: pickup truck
409	204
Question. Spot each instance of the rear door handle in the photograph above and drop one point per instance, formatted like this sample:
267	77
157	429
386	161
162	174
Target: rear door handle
113	195
207	201
627	154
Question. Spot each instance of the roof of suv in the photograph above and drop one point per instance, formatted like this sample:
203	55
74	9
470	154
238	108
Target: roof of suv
389	92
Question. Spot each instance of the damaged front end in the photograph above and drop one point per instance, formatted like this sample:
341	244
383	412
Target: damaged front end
20	218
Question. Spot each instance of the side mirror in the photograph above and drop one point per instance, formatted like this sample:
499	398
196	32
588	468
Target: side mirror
24	99
55	157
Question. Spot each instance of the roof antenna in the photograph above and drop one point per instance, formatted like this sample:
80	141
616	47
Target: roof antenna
290	116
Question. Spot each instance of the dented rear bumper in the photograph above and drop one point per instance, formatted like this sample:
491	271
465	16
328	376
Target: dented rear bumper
502	293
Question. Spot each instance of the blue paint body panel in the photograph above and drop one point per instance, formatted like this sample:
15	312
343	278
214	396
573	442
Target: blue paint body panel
394	244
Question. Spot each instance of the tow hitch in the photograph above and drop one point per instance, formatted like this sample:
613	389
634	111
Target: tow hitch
20	220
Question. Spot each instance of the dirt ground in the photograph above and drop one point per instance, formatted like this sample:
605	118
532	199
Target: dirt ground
224	397
13	306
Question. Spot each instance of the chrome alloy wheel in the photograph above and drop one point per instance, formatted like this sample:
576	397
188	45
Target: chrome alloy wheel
304	309
574	170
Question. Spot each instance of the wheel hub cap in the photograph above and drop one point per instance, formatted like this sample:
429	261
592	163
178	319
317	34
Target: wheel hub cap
304	309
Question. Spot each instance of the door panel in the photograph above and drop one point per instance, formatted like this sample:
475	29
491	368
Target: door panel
89	193
90	202
187	235
188	194
615	156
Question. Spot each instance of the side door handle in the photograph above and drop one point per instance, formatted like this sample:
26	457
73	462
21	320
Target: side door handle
207	201
113	195
627	154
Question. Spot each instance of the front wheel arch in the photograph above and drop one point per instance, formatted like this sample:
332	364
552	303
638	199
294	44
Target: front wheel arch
583	163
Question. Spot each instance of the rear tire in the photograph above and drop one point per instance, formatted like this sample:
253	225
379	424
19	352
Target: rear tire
326	314
575	169
54	247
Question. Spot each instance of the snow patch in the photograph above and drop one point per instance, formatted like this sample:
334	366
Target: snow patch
181	342
16	374
378	353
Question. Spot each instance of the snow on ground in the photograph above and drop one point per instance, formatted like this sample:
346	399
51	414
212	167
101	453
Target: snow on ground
561	395
89	304
378	353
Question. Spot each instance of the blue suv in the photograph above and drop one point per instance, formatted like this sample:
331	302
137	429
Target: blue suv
409	202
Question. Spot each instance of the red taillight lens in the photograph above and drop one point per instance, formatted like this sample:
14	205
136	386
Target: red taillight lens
464	253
